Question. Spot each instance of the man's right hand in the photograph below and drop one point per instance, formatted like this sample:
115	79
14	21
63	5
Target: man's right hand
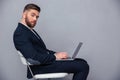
61	55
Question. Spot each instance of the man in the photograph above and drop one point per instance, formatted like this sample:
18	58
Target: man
30	44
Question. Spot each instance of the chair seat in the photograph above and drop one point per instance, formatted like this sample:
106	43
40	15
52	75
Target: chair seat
50	75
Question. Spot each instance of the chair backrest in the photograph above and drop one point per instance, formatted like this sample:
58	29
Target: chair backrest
23	60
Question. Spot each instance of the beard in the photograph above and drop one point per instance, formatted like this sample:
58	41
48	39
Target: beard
30	24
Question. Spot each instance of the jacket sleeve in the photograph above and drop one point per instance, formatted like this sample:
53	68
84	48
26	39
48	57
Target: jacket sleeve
51	52
24	45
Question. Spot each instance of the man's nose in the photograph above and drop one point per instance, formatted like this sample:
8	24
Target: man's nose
35	18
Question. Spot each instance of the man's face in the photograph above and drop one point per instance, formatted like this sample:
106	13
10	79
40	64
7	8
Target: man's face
31	16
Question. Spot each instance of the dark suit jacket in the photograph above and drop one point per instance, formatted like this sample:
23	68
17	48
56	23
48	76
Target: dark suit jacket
31	46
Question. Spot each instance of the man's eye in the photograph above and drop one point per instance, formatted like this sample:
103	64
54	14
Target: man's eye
37	17
32	15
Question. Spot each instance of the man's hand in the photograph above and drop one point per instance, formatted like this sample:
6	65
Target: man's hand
61	55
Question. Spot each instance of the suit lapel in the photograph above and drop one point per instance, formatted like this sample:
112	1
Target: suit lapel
38	38
36	34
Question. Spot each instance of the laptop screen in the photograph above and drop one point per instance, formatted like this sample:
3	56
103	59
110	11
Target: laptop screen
77	50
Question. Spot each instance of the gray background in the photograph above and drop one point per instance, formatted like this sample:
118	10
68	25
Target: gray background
62	24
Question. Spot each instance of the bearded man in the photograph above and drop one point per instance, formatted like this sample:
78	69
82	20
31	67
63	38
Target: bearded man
33	48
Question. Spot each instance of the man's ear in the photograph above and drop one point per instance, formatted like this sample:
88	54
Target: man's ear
24	14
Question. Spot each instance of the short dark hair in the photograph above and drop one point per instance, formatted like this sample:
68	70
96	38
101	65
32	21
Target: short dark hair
32	6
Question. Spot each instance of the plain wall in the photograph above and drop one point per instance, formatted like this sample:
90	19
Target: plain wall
62	24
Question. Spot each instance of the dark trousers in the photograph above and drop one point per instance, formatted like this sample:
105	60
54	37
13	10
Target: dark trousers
78	67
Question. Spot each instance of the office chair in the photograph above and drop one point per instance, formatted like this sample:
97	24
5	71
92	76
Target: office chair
48	76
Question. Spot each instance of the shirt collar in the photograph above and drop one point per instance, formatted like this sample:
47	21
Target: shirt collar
26	26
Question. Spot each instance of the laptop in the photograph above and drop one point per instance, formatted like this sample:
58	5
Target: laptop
75	52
